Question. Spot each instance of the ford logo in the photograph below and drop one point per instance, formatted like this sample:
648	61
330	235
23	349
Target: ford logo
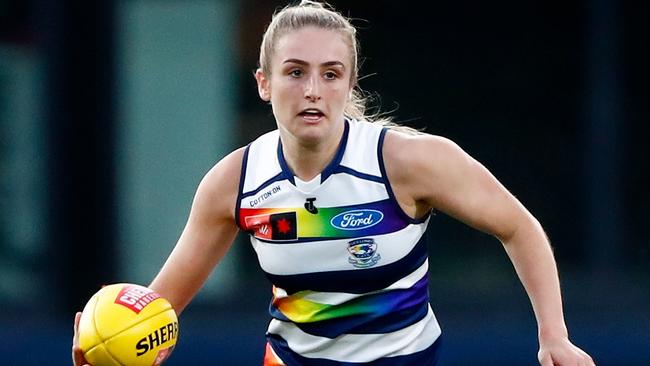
357	219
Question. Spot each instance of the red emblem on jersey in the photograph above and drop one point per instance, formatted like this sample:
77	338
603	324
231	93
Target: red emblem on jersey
279	226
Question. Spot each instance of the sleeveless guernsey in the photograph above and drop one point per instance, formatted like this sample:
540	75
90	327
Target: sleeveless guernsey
349	268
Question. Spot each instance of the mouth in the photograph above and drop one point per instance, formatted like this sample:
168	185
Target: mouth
311	114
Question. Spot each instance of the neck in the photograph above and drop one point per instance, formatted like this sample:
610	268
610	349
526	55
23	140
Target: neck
308	160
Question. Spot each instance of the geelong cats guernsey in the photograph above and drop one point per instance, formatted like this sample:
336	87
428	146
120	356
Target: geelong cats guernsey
348	266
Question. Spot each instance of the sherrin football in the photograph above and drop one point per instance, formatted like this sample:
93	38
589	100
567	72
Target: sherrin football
127	325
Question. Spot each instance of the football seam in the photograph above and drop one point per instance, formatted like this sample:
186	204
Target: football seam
110	354
103	340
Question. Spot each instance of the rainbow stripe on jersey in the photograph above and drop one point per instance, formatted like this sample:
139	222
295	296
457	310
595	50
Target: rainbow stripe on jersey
374	218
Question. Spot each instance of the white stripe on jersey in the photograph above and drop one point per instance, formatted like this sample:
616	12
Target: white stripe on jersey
362	157
332	254
329	193
360	347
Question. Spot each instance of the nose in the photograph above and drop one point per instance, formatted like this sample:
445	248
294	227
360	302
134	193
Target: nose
312	89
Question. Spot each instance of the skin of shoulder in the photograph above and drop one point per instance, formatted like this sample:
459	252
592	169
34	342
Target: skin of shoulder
429	172
217	192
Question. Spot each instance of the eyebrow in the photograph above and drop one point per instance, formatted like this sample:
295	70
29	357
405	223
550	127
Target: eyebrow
305	63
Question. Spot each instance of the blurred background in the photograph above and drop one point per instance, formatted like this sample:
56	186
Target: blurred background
112	111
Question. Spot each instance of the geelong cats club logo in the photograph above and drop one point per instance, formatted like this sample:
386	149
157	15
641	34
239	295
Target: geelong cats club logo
363	253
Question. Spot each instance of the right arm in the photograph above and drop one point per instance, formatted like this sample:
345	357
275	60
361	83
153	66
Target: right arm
209	232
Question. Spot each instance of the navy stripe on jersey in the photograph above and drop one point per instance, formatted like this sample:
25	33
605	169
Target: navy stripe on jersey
407	307
354	281
279	177
389	188
286	171
344	169
330	168
242	179
427	357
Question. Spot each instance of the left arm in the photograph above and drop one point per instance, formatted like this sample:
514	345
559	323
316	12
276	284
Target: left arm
439	175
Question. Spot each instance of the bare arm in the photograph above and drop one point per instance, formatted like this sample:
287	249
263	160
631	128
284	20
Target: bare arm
209	232
439	175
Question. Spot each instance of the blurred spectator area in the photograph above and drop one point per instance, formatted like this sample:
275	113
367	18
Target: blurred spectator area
112	111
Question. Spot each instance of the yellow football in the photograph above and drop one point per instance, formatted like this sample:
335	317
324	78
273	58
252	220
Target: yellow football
127	325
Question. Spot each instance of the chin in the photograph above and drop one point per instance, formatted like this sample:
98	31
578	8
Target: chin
312	132
310	137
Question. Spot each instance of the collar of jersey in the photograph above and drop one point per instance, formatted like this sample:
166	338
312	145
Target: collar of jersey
329	169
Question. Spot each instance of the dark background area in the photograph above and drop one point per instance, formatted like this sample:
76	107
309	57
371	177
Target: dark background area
552	97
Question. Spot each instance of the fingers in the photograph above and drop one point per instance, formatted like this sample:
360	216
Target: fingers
546	361
589	361
584	358
562	353
75	337
572	356
78	358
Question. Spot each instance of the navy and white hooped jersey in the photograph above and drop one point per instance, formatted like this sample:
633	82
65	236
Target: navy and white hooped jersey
349	267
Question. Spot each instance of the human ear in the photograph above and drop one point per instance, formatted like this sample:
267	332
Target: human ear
263	85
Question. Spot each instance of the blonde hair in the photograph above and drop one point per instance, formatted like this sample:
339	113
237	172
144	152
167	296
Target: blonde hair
322	15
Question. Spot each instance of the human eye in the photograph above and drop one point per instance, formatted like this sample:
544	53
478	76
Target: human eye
330	75
296	73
